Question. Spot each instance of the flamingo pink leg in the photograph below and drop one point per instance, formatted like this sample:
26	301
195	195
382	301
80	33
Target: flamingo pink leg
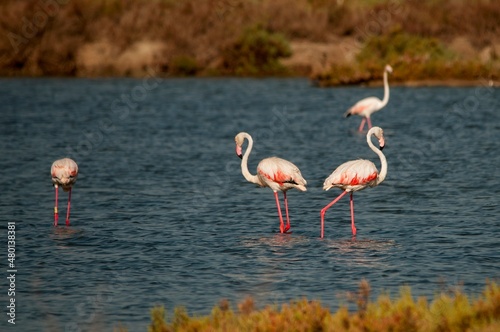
362	125
69	206
56	214
369	123
286	210
282	224
352	217
323	211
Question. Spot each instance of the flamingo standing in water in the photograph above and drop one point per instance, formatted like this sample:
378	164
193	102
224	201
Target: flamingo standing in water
356	175
273	172
64	172
367	106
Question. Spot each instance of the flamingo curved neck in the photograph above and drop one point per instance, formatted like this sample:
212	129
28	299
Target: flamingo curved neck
244	163
383	161
386	90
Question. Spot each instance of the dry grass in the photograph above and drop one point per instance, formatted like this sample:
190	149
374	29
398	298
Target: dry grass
448	311
191	37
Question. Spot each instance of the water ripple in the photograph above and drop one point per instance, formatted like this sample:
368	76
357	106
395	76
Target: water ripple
162	215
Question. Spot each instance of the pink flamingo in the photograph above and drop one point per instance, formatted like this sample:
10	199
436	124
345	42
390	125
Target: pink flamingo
273	172
64	172
356	175
367	106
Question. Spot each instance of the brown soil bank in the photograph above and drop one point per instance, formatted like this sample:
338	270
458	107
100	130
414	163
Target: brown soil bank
331	41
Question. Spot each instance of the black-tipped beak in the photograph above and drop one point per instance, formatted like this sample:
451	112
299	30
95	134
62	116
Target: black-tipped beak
240	155
381	147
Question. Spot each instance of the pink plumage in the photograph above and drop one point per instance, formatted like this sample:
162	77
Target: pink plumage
280	174
356	175
352	176
64	173
275	173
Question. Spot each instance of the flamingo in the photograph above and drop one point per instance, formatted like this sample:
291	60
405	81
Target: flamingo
367	106
273	172
64	172
356	175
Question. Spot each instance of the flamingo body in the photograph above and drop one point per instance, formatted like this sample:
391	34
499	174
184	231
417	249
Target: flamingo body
280	174
367	106
353	175
64	173
275	173
356	175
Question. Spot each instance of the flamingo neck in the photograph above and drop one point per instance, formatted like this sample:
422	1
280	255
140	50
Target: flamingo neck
383	168
386	90
244	163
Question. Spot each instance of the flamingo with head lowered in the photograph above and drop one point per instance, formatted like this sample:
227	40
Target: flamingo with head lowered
356	175
273	172
370	105
64	172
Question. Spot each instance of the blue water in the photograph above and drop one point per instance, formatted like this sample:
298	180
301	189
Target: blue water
161	213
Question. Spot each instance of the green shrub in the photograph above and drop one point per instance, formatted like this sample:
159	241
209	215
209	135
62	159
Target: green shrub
399	46
447	312
412	57
256	52
183	65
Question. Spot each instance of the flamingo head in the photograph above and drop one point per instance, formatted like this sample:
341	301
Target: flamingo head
388	69
64	178
239	142
379	134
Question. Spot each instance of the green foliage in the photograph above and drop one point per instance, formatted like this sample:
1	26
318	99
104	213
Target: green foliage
448	312
412	57
256	52
183	65
400	46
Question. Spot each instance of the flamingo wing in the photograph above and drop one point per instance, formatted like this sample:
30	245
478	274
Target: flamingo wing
364	107
352	176
280	174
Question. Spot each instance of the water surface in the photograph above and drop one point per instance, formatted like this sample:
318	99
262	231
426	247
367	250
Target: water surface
162	215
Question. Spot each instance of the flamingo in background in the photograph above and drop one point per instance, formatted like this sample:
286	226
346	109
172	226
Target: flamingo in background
273	172
64	172
367	106
356	175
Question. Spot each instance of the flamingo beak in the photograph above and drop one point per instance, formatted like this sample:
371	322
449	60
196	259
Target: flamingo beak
381	143
238	151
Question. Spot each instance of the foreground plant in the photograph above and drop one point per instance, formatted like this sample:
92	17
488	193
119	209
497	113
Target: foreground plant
452	311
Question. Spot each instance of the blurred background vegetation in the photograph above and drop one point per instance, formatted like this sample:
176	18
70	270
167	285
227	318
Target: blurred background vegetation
331	41
448	311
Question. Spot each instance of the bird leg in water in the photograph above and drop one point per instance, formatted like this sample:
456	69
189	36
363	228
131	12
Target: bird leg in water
69	206
286	210
56	214
352	216
282	224
323	211
369	123
362	125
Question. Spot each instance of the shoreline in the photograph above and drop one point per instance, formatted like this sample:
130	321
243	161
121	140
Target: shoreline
430	83
411	83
